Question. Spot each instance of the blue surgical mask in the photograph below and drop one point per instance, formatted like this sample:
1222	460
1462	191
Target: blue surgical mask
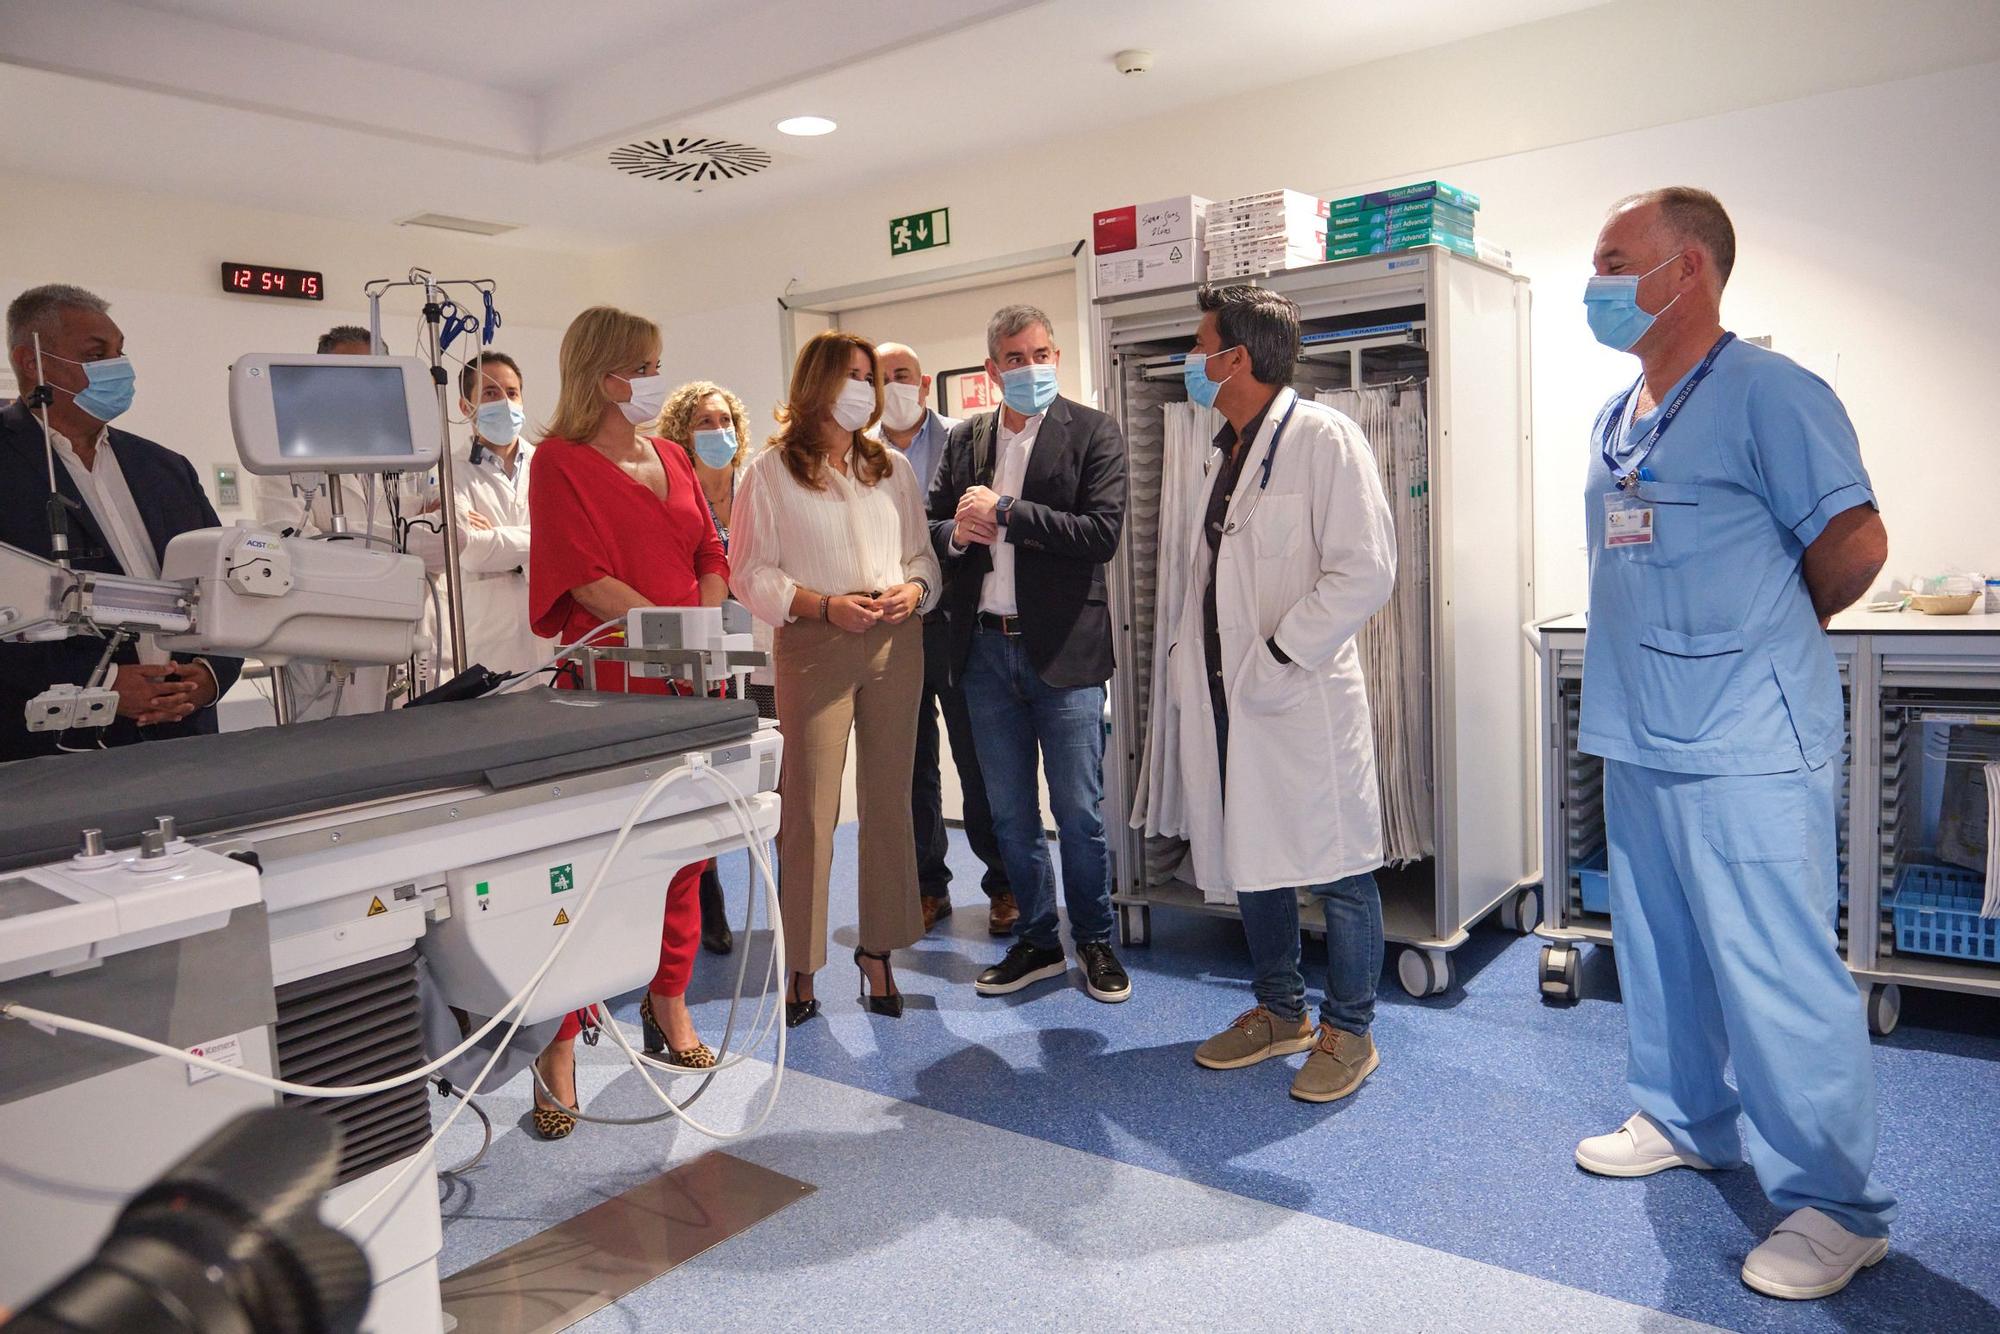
1194	375
716	448
1029	389
107	392
1611	303
500	421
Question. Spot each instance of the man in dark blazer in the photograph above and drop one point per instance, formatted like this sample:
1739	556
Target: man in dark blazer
133	498
1026	511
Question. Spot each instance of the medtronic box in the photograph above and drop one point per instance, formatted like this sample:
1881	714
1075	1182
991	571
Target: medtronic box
1115	230
1464	245
1176	219
1152	266
1406	194
1401	218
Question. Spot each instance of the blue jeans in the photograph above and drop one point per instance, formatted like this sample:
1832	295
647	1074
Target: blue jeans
1014	715
1353	909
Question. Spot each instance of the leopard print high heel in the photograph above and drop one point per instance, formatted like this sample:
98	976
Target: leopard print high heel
554	1122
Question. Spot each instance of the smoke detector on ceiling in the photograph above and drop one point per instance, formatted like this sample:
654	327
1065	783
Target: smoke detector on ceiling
446	222
690	160
1133	61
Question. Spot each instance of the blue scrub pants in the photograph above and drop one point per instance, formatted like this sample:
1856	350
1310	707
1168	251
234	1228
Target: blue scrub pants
1723	896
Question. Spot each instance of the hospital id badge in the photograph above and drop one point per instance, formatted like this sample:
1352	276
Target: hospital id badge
1628	521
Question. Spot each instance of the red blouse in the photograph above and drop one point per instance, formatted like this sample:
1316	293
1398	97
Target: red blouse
591	520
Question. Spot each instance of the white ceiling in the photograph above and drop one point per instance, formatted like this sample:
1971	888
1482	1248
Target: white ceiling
505	109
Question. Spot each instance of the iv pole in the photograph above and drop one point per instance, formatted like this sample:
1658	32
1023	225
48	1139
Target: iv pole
434	297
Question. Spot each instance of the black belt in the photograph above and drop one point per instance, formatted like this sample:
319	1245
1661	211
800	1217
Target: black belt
1006	625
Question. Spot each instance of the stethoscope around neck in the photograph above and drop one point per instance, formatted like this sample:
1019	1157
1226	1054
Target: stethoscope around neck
1237	524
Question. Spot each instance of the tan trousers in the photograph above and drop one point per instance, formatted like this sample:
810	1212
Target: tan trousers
832	683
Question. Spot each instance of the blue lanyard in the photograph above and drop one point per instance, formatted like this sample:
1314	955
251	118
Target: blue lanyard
1629	474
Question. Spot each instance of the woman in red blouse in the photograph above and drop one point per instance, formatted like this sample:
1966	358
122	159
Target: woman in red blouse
619	522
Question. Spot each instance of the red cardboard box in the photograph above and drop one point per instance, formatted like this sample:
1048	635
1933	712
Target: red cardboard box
1115	229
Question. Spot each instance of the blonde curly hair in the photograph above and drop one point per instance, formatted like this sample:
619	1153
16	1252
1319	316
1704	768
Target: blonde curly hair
676	421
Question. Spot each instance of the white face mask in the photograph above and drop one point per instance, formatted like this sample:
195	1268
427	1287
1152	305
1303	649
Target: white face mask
855	406
902	406
649	395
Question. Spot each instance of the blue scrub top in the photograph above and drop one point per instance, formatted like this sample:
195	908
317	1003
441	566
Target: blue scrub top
1704	654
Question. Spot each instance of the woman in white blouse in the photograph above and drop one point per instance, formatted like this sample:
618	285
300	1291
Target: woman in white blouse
830	545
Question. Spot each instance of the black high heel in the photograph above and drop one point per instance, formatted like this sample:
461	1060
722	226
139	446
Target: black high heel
556	1122
889	1006
799	1011
716	937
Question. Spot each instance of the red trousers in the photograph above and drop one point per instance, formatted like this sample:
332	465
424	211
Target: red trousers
680	933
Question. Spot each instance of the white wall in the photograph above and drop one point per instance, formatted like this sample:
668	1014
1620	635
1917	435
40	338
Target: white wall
157	260
1854	168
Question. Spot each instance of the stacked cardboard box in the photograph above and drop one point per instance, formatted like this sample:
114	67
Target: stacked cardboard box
1276	229
1426	213
1143	246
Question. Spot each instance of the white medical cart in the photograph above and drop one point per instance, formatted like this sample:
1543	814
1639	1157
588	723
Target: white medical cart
1457	329
1910	680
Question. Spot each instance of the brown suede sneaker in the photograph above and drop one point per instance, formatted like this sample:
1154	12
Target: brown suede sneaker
1002	915
1340	1061
1253	1036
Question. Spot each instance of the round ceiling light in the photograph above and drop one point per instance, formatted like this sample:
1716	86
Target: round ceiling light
806	126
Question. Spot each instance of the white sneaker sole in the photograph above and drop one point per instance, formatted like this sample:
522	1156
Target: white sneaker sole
1025	980
1108	997
1784	1291
1630	1170
1286	1047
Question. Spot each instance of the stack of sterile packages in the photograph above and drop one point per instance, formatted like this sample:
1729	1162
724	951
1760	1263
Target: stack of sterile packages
1426	213
1261	233
1143	246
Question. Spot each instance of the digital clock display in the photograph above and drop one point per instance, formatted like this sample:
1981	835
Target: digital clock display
263	280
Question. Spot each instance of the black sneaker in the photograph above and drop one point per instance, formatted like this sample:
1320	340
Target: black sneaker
1103	976
1024	966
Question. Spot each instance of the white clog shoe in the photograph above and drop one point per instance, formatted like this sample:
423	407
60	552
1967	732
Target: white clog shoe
1809	1255
1636	1149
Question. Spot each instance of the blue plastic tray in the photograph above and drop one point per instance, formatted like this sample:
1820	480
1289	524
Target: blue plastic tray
1594	884
1937	912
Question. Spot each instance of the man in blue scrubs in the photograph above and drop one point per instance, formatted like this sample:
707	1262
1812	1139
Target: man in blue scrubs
1729	517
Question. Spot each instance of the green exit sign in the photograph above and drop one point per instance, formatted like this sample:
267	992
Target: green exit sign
920	231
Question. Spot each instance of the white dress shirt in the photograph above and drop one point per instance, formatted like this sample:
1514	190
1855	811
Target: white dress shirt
493	565
996	595
847	538
109	497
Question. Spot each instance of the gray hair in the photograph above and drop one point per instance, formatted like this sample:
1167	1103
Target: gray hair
1695	215
1261	322
1010	320
39	311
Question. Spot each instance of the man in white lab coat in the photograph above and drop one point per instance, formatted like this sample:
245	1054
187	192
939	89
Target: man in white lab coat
1277	754
490	479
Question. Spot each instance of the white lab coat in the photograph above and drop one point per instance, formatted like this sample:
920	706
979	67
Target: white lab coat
493	566
1316	557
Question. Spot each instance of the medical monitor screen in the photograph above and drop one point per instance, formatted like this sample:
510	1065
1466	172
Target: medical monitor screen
340	412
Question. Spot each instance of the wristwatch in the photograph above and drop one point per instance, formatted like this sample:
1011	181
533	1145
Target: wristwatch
1002	508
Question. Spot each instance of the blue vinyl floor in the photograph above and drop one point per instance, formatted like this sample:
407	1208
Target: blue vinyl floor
1459	1145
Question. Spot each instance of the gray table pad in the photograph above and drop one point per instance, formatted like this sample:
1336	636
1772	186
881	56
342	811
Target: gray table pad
211	784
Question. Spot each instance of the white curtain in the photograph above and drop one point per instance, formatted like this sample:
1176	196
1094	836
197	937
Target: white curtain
1396	643
1189	440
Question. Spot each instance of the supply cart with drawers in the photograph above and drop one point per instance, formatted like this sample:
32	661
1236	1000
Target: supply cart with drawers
1923	708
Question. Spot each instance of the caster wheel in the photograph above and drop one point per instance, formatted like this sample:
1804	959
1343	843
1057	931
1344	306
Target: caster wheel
1522	912
1885	1008
1559	974
1424	972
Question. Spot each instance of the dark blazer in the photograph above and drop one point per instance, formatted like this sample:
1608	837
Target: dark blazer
168	493
1064	527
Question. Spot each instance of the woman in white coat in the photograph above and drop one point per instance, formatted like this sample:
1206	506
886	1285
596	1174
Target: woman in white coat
1296	552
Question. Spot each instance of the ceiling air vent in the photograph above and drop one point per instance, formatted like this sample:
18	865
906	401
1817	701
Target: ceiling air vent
445	222
690	161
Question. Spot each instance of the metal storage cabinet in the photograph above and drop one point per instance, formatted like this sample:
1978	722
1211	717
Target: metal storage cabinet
1902	672
1460	327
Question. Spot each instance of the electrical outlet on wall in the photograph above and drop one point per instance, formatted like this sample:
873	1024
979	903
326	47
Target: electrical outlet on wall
227	496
